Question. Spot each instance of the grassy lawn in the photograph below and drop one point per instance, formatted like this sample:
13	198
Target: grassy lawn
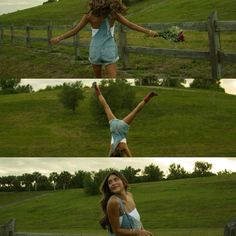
179	207
180	122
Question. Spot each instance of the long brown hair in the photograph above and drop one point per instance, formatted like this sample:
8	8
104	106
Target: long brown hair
106	7
106	192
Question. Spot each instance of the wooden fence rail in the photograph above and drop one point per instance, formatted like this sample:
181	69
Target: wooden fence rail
9	229
213	26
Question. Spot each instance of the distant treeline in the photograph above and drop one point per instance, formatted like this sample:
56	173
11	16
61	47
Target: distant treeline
91	181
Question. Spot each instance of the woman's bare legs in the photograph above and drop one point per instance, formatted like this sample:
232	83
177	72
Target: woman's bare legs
110	115
111	70
97	69
129	118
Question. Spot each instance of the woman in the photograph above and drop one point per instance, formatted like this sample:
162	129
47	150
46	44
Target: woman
103	50
121	216
119	128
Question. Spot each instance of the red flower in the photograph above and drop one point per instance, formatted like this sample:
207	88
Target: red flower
181	36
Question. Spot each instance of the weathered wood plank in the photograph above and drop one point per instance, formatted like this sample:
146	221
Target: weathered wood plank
228	57
214	46
197	26
169	52
226	25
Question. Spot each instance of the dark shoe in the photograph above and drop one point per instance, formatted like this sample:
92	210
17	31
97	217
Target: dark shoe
97	89
149	96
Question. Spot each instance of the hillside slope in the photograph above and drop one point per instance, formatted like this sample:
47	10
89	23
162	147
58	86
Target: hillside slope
68	11
178	207
176	123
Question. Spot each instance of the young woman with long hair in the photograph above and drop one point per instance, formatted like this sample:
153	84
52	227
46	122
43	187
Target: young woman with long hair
119	128
121	216
103	49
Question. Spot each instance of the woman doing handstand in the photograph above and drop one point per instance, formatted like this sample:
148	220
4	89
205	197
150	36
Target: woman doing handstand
119	128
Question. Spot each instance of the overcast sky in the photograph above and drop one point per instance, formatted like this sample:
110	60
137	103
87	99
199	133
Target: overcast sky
18	166
7	6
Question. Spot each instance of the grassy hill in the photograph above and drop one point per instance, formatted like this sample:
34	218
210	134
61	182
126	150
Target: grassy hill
180	122
146	11
198	206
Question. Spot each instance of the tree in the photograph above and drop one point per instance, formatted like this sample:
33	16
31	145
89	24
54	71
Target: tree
173	83
130	174
93	181
120	96
27	180
12	85
176	172
36	177
207	84
202	169
77	180
153	173
64	179
71	94
53	178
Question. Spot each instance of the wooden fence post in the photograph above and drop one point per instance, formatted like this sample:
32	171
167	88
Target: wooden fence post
1	34
49	35
8	229
214	46
122	46
12	33
27	36
76	44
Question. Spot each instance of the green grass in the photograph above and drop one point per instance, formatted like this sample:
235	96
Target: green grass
180	122
37	62
198	206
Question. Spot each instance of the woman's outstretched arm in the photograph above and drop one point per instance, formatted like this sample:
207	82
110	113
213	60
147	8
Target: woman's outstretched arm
120	18
84	21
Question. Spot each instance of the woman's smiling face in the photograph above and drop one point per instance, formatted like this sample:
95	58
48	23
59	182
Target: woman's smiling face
115	184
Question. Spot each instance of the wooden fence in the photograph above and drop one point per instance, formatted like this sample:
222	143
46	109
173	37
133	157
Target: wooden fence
8	229
213	26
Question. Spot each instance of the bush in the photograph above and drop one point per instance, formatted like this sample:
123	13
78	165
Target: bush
120	96
207	84
71	94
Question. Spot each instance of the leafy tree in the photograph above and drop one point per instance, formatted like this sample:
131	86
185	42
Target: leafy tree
53	178
36	177
71	94
202	169
130	174
93	181
77	180
173	83
44	183
207	84
27	180
176	172
153	173
12	86
120	96
64	179
224	172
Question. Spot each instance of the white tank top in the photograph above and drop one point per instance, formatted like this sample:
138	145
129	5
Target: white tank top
134	213
94	31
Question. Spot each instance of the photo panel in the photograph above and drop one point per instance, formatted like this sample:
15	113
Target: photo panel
104	118
173	196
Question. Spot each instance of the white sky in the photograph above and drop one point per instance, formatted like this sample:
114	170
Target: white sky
228	84
18	166
7	6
